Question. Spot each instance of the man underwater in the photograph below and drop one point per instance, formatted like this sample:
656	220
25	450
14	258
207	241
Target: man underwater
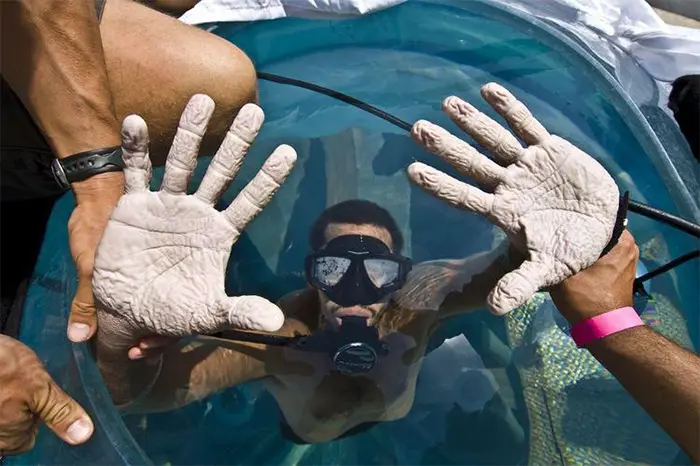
160	268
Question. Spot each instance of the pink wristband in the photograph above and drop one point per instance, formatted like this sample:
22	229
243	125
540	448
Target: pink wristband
603	325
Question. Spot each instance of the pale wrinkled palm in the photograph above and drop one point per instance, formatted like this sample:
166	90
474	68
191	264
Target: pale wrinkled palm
554	201
160	266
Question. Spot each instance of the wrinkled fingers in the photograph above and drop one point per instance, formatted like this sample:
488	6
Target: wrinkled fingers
491	135
137	171
450	190
259	192
182	158
518	116
228	159
458	153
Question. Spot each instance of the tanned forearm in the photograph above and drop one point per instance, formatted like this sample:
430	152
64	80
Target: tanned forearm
660	375
190	373
52	58
663	377
180	376
199	370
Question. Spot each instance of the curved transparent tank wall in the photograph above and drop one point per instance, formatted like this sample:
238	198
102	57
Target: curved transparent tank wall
552	402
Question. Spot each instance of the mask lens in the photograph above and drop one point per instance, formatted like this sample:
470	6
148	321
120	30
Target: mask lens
329	270
382	272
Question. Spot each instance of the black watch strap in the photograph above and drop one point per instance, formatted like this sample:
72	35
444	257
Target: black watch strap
81	166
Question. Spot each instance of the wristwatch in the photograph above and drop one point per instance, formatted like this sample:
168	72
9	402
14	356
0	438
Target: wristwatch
81	166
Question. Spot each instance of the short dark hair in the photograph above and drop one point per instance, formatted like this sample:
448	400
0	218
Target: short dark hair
355	212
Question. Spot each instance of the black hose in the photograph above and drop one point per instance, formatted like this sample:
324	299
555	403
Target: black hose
273	340
338	96
664	217
666	267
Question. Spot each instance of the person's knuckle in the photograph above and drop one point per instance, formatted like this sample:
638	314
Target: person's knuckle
46	396
59	412
83	310
635	252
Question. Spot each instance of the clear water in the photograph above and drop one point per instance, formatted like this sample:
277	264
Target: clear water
404	61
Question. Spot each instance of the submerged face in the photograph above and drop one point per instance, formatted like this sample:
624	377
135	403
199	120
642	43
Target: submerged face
380	238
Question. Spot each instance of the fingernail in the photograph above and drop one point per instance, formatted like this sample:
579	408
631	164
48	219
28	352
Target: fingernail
79	431
78	332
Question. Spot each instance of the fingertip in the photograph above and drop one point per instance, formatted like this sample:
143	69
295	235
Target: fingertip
419	127
255	313
494	304
132	123
416	169
493	88
273	322
508	294
286	153
80	431
253	113
135	353
134	133
202	101
428	134
280	164
627	237
247	123
79	332
450	102
456	107
197	114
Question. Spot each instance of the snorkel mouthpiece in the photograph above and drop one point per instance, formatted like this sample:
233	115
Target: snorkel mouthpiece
354	348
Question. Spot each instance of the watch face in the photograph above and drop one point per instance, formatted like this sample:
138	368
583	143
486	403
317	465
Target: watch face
59	174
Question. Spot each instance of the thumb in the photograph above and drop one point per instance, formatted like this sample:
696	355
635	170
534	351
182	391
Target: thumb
517	287
82	322
62	414
249	313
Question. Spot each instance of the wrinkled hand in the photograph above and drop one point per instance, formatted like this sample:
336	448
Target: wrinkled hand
159	269
28	395
555	202
95	200
606	285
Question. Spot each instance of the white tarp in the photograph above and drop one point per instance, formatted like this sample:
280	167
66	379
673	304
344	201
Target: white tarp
623	33
209	11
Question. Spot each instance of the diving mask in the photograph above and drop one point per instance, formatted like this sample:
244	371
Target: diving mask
356	270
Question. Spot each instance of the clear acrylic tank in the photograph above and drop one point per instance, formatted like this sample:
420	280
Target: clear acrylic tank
518	391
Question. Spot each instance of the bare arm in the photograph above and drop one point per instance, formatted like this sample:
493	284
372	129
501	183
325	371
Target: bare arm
457	286
52	58
660	375
199	370
192	372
